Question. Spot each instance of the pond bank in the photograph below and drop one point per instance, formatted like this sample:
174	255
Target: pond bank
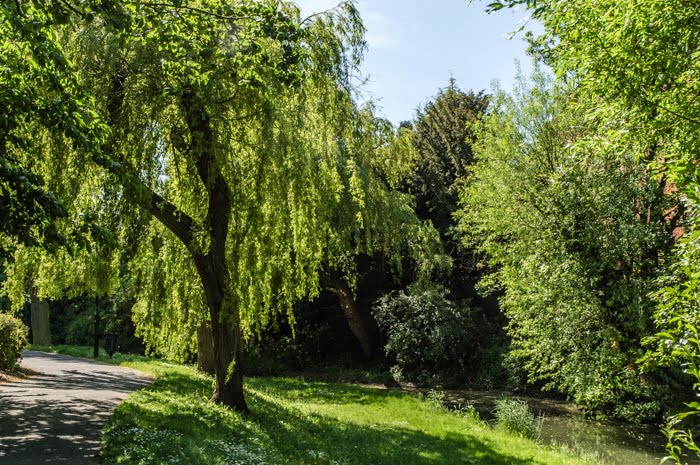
565	425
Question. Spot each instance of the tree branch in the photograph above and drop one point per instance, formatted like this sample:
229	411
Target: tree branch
72	8
177	221
196	10
321	13
332	284
202	151
18	4
677	115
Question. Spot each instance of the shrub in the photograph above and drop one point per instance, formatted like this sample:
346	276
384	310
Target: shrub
514	416
436	399
470	412
13	338
429	336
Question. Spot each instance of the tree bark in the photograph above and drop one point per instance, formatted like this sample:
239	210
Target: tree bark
361	324
39	310
212	266
205	349
226	332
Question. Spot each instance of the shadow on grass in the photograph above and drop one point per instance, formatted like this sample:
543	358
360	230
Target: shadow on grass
297	389
173	419
321	436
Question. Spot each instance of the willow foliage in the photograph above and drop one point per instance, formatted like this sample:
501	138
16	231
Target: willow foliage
288	139
318	209
86	257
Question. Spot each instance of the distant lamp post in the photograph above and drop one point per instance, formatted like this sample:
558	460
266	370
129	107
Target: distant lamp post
96	339
110	343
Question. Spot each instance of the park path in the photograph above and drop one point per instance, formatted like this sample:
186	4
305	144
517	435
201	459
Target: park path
56	415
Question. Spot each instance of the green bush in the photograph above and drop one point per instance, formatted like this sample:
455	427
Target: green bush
470	412
436	399
430	337
514	416
13	338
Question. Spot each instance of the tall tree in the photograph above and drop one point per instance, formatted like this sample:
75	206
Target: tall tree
232	125
577	232
636	68
443	139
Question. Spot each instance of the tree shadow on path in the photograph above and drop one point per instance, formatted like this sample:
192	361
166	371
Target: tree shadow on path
57	417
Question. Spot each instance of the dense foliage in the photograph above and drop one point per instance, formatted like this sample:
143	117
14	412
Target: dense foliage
430	337
13	338
577	233
635	68
678	340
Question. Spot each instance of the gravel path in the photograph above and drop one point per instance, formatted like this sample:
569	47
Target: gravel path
56	415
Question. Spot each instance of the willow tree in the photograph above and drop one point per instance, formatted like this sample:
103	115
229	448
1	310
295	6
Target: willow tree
361	215
239	116
233	125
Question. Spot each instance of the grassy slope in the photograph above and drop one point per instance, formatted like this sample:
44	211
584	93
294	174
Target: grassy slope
298	422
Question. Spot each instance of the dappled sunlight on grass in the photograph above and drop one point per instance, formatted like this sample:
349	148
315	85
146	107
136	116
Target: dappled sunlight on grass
300	390
172	421
298	422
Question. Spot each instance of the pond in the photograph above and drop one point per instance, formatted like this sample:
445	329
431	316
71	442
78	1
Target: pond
615	444
564	424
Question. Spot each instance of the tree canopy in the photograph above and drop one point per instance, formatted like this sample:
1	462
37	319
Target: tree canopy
634	68
234	126
576	232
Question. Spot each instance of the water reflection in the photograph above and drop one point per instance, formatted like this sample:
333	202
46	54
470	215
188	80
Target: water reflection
612	443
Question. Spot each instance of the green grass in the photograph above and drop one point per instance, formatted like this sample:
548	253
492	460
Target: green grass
299	422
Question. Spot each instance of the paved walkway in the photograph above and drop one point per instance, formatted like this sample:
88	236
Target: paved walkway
56	415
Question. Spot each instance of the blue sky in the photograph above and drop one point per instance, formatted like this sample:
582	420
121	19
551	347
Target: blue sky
416	45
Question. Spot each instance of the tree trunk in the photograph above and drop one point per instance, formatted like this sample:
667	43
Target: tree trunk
205	350
356	321
39	310
228	389
361	324
211	265
225	330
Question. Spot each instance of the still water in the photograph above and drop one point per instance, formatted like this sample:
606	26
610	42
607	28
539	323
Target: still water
614	444
564	424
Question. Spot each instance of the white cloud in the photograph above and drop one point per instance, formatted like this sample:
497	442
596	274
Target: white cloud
381	30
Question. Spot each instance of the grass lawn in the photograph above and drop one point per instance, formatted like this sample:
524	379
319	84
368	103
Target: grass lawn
298	422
